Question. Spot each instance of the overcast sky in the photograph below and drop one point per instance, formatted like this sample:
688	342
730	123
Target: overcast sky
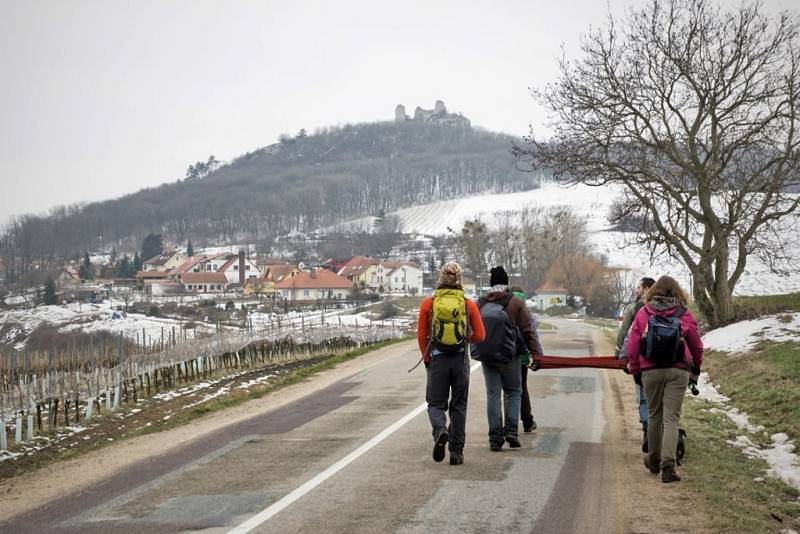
102	98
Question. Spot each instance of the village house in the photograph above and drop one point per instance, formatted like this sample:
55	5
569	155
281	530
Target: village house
360	270
397	277
549	295
236	265
164	262
273	273
196	282
315	285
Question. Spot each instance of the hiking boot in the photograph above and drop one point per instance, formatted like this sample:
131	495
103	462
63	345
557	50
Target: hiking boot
513	441
531	427
439	446
456	458
669	475
654	468
644	442
495	448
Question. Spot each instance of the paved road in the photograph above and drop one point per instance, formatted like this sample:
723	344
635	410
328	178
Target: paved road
314	452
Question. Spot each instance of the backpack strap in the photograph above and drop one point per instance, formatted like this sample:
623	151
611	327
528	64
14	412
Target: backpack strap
680	312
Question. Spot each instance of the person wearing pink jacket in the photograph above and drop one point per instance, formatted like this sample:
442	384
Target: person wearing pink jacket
664	378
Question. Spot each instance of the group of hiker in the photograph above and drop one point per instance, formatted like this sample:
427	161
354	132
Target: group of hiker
658	340
502	334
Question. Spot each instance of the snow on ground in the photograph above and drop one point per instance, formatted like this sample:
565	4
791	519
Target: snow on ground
88	318
744	335
591	203
780	455
739	337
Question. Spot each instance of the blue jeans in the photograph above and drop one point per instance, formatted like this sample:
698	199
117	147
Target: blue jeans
502	379
642	405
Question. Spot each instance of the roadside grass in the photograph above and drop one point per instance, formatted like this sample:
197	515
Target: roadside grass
543	325
746	308
733	488
10	468
764	382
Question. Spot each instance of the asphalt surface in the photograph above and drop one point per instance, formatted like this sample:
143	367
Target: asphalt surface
224	480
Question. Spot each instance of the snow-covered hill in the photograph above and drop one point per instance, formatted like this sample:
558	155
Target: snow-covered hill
591	203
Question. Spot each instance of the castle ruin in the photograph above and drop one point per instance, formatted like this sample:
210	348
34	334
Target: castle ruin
437	115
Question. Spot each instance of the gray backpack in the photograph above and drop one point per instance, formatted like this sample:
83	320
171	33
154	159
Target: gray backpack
500	344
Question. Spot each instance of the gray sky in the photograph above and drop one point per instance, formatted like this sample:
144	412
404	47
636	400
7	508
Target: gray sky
102	98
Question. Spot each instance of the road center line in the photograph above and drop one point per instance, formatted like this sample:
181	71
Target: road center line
288	499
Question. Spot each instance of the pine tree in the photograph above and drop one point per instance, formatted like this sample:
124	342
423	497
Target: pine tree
85	271
49	292
137	262
152	246
189	249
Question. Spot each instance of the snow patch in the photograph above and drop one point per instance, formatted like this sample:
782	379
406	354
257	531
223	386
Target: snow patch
744	335
780	456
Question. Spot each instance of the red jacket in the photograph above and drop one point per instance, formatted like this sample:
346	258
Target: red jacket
693	346
424	325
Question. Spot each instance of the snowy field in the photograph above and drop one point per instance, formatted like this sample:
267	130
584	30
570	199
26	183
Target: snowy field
90	318
591	203
780	454
106	317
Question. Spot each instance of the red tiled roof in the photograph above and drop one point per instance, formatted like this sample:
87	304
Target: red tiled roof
204	278
323	279
277	272
549	287
357	266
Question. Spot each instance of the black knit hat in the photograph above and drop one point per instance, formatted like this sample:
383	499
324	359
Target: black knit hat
498	276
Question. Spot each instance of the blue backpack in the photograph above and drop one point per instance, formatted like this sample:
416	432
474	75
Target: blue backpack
663	342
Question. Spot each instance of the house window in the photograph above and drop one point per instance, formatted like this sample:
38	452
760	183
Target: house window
246	267
305	292
235	267
208	267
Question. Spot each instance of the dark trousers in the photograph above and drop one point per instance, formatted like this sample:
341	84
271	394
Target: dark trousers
448	378
526	413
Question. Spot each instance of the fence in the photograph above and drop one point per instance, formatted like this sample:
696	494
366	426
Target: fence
43	389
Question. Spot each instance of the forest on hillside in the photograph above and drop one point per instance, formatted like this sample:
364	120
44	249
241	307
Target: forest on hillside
298	184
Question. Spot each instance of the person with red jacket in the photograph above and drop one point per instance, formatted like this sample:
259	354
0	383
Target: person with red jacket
448	367
664	384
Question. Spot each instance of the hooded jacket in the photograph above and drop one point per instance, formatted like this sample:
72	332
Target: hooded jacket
692	347
516	310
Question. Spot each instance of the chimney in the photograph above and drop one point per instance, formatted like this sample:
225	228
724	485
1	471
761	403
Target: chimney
241	268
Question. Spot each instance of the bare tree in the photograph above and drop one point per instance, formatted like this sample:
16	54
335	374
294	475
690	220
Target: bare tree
693	110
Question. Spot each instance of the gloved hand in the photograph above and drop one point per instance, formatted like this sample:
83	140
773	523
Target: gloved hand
638	378
626	370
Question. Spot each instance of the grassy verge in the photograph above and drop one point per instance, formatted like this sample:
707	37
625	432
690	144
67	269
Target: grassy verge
764	382
234	397
733	488
543	325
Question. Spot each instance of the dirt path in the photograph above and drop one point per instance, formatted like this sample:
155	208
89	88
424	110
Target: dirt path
642	503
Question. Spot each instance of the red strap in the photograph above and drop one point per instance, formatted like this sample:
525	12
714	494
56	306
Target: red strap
564	362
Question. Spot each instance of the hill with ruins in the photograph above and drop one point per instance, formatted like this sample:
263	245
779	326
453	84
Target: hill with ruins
302	182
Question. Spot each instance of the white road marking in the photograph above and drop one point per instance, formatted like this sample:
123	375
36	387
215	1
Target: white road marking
287	500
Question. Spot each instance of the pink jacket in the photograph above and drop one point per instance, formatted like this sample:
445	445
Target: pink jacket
693	346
